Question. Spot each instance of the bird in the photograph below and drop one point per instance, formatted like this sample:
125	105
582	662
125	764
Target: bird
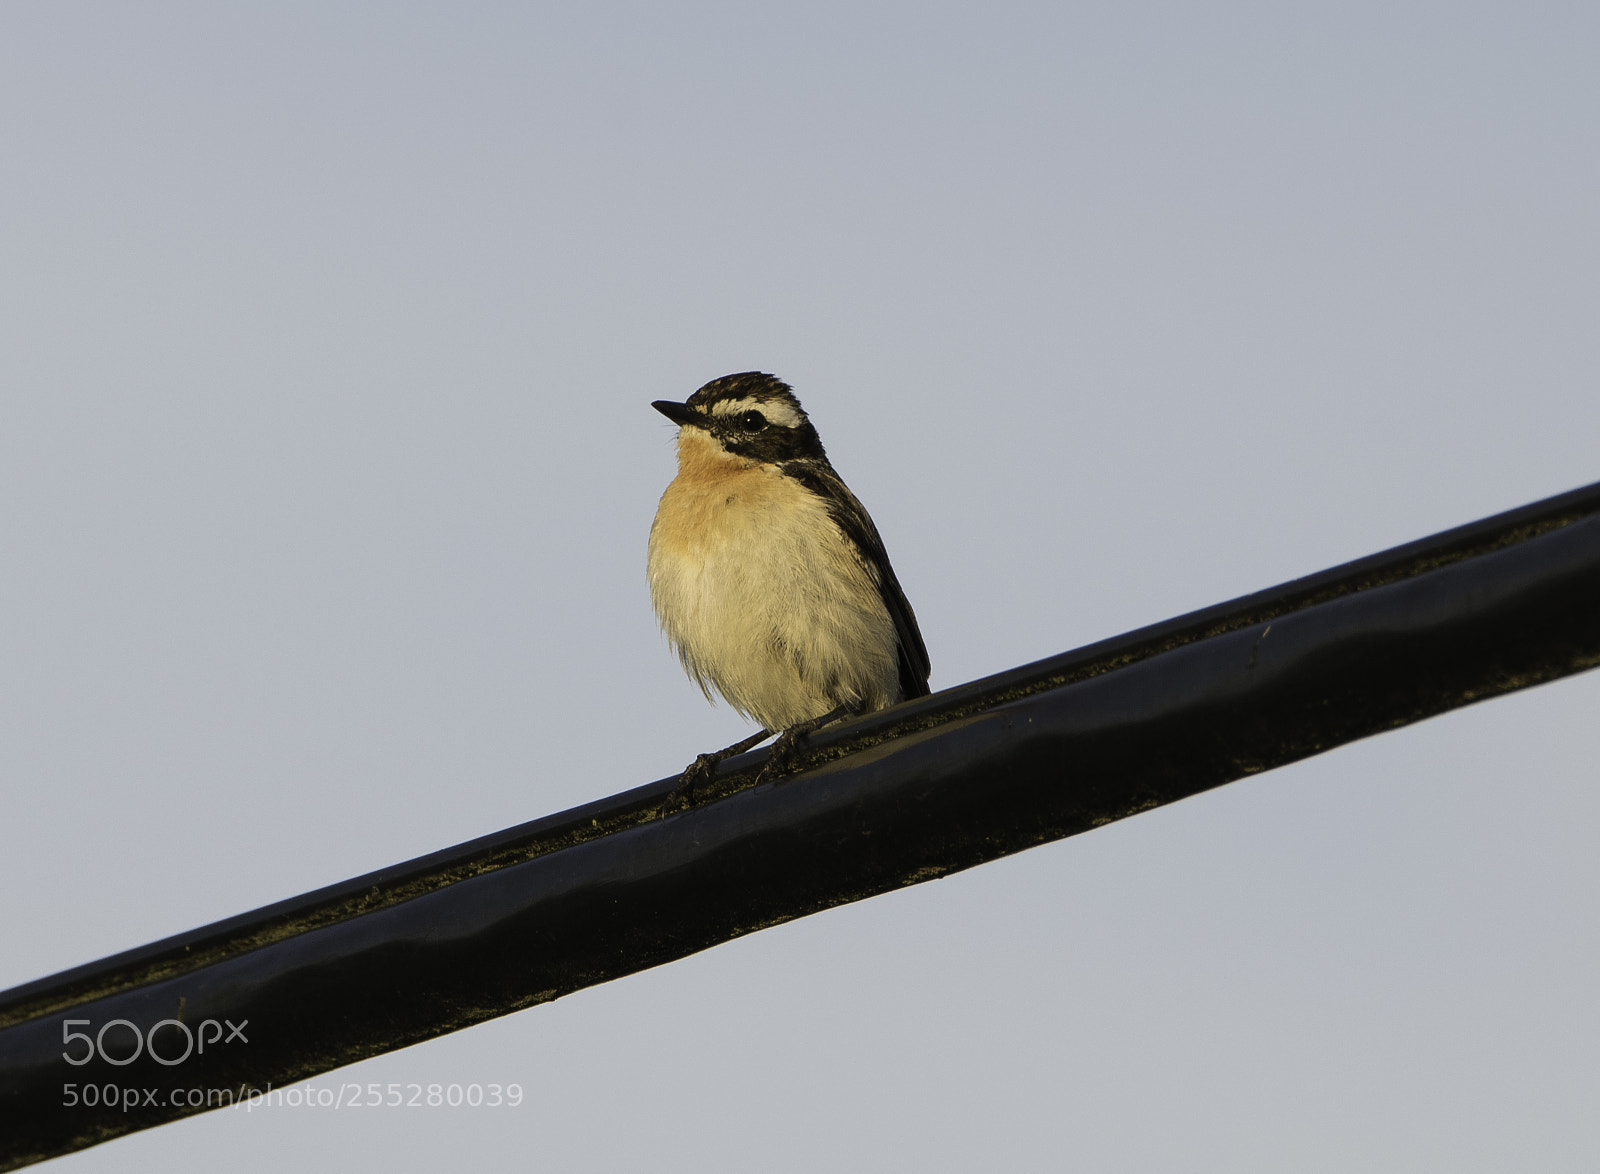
769	577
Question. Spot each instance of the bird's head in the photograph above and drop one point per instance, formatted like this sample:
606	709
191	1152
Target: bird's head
750	415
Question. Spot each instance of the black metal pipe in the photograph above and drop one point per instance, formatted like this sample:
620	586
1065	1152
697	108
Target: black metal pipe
907	795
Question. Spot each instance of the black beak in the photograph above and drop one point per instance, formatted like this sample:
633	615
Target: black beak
679	414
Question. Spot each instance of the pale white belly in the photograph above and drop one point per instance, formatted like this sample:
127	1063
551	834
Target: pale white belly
764	601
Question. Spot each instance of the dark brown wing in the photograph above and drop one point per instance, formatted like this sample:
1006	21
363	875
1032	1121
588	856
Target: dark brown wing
856	524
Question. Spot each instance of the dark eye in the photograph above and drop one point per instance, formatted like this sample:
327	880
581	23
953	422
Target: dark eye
752	421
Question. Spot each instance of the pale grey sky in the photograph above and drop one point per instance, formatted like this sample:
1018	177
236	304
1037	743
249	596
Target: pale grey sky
330	333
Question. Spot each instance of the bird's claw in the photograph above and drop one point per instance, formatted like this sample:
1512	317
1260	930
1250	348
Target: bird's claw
700	771
781	758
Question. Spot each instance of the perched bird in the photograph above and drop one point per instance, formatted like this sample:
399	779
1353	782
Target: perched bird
768	575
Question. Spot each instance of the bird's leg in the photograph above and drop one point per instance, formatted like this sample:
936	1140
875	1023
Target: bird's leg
781	757
704	767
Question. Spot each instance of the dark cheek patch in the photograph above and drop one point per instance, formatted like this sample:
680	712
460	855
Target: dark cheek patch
770	446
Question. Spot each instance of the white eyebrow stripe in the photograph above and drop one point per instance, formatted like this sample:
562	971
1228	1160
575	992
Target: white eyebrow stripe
776	411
